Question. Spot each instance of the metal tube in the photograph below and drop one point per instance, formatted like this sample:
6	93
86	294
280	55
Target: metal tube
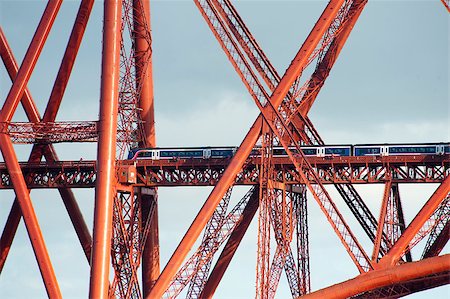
35	156
150	255
11	67
68	60
206	211
380	278
9	232
144	76
29	217
144	70
381	220
324	67
294	70
104	191
30	59
231	246
424	214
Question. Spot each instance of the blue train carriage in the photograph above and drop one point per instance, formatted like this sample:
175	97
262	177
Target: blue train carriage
369	150
336	151
222	152
318	151
417	149
141	153
279	151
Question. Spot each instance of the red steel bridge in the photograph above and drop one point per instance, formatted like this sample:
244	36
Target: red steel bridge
123	248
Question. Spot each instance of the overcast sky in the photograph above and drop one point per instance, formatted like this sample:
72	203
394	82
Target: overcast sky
390	84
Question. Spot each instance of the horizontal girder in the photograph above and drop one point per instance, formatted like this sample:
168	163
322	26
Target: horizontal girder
206	172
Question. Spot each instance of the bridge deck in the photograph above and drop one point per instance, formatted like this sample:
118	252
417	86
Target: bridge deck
206	172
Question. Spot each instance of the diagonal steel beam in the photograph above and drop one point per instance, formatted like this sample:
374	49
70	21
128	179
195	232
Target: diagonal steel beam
279	123
49	115
231	246
10	158
29	61
251	48
244	150
29	217
383	210
395	253
326	61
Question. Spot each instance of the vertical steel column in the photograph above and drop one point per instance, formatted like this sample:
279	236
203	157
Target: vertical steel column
104	190
144	76
144	72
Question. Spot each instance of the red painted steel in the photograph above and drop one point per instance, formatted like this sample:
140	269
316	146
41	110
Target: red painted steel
171	173
267	194
383	277
206	211
50	155
209	245
29	61
144	68
30	219
381	222
285	135
244	150
392	257
9	231
11	67
328	53
186	172
143	52
68	60
325	64
10	158
439	237
398	290
230	247
446	4
105	189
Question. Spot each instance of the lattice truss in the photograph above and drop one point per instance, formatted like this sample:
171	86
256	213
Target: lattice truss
130	130
131	222
284	103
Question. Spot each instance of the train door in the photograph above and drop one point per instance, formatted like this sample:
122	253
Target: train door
320	152
155	155
384	151
440	149
207	153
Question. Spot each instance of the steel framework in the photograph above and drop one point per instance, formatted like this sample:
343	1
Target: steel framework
125	229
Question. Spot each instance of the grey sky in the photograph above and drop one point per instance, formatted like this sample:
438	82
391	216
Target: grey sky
390	84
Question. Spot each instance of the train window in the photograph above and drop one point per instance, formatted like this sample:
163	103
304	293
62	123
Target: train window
367	151
309	151
339	151
412	149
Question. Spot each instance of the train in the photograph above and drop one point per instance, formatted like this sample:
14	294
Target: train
309	151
